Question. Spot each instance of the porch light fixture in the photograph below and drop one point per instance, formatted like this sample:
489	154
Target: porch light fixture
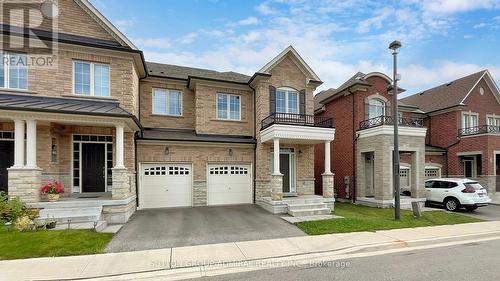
167	150
394	46
230	152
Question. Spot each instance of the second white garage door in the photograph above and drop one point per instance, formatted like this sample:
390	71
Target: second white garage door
165	185
229	184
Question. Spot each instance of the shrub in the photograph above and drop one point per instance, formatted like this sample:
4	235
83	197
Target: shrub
12	208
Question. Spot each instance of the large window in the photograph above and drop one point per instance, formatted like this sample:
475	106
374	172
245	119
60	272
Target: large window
228	107
376	108
91	79
494	121
469	119
13	71
287	101
167	102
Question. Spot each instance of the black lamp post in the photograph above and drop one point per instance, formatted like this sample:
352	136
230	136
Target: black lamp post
394	46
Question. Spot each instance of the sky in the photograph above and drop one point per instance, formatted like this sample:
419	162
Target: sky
442	39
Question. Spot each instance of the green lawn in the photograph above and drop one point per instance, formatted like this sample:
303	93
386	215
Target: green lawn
362	218
19	245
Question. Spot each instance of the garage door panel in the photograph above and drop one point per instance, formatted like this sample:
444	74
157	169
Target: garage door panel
166	185
229	184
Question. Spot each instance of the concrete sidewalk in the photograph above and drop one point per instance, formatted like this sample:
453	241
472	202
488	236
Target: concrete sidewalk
195	256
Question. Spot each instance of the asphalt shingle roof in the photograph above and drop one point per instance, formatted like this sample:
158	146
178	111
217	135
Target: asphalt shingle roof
183	72
61	105
444	96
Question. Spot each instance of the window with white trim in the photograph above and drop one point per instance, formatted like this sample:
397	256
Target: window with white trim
287	101
91	79
469	119
493	121
13	71
376	108
228	107
167	102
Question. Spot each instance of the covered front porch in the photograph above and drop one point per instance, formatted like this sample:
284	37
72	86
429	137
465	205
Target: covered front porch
286	151
90	151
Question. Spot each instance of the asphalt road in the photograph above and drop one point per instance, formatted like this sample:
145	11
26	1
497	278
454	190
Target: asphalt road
473	261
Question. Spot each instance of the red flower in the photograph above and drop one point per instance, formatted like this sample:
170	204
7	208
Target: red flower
52	188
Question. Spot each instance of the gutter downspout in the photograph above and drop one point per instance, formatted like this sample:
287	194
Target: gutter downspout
254	166
446	154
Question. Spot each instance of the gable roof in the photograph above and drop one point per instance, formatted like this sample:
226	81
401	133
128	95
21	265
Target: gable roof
105	23
446	95
184	73
324	96
298	60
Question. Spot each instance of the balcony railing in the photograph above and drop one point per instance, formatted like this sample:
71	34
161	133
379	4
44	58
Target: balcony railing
476	130
297	119
389	120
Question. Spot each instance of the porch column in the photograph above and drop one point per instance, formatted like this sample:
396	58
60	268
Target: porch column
119	147
18	144
328	177
276	177
276	156
31	144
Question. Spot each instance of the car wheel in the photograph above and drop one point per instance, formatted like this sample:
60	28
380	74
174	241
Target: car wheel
451	204
471	208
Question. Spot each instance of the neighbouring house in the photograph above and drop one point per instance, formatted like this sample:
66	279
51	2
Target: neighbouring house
362	152
121	134
463	137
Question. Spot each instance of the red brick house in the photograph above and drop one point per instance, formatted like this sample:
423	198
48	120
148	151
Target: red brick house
362	150
463	121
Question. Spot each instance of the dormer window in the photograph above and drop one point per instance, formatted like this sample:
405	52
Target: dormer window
287	100
376	108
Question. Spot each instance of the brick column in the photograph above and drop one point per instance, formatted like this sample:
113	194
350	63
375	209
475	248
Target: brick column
276	187
25	184
328	185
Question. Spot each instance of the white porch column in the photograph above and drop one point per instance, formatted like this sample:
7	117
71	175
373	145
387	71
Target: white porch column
119	147
276	156
18	144
327	158
31	144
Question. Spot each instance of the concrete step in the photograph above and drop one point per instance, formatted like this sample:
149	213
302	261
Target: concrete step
309	218
309	212
75	214
298	201
295	207
99	227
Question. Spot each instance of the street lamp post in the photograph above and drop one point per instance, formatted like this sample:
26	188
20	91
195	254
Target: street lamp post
394	46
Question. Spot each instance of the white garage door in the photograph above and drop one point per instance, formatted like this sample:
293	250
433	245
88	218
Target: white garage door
229	184
165	185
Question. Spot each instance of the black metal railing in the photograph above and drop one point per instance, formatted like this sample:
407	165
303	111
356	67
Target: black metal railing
296	119
389	120
476	130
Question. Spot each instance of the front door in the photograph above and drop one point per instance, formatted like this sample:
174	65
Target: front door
285	171
468	166
6	161
93	167
497	170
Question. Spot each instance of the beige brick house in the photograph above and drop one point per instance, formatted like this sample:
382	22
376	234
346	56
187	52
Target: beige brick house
122	134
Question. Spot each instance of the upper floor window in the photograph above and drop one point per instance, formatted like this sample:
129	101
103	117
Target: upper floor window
376	108
13	71
228	107
167	102
494	121
91	79
469	119
287	100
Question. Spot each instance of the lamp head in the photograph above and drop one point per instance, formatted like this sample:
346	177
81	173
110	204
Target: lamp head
395	45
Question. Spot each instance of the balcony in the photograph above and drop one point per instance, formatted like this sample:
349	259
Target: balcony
477	130
297	128
389	120
297	120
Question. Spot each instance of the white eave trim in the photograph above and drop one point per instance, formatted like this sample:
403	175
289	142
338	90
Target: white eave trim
300	133
310	73
389	130
107	24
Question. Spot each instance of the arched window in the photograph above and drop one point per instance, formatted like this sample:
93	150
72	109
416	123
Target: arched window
376	108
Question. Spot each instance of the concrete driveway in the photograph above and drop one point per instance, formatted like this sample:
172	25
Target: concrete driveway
165	228
489	213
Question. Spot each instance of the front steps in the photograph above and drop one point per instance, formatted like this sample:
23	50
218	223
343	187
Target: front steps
307	209
71	217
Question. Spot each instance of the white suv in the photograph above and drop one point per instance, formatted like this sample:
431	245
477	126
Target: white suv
456	193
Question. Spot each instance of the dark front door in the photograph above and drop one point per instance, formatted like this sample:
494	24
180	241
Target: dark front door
6	161
93	167
497	170
285	170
